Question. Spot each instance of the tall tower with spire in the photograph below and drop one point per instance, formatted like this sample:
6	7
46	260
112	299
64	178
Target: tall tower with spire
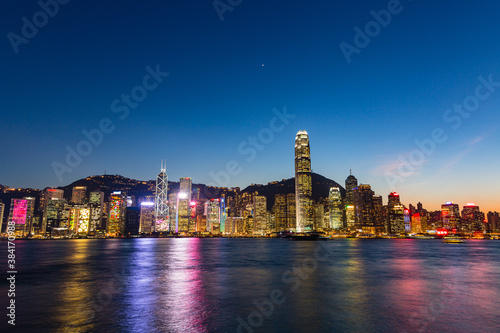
303	182
161	200
350	184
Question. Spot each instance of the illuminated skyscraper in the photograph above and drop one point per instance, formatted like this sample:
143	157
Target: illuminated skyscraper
21	214
185	186
49	193
303	182
318	216
279	210
472	218
493	221
363	205
79	195
147	217
350	183
2	208
116	219
212	208
183	200
291	212
96	204
450	215
335	209
53	217
161	200
395	221
260	215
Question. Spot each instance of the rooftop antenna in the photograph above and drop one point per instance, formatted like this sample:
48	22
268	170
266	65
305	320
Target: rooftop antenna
350	171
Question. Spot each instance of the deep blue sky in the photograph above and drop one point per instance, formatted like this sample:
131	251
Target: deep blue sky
364	114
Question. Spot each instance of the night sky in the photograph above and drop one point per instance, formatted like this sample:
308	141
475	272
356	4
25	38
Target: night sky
227	76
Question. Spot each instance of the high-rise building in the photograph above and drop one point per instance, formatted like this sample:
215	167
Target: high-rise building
395	221
335	209
450	215
378	213
161	201
213	215
291	212
472	218
53	217
363	205
132	221
279	211
259	215
318	216
185	186
83	221
416	223
116	219
147	217
303	182
96	203
21	215
79	195
49	193
350	184
493	221
183	200
2	208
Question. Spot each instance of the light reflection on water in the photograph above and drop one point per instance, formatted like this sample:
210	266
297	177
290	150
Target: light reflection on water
205	285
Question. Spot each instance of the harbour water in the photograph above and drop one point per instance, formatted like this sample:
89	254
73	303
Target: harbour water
256	285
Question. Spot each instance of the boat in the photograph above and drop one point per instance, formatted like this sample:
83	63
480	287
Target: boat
309	236
453	239
421	236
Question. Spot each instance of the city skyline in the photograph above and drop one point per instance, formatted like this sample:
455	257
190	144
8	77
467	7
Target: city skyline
200	112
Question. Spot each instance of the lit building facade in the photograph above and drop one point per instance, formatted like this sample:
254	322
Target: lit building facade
212	208
260	215
96	203
116	216
147	217
53	217
303	183
183	209
472	218
450	215
335	209
79	195
21	215
350	184
162	221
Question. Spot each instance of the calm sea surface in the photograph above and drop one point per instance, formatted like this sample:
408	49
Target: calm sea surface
255	285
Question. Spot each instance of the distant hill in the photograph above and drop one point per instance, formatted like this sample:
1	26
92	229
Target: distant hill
320	188
133	187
